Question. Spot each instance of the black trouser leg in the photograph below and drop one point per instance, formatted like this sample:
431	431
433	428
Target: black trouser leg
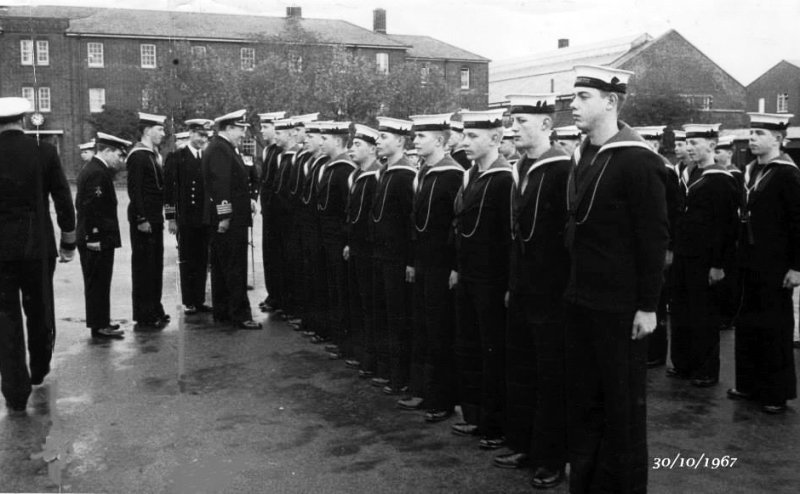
468	353
275	257
193	255
97	268
265	249
382	347
336	272
230	267
398	328
363	271
147	266
606	375
319	286
521	373
433	344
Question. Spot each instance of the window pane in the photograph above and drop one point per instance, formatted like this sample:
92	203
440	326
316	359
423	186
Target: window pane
199	51
465	78
382	61
95	54
248	56
97	99
783	103
148	56
26	51
42	53
44	99
27	93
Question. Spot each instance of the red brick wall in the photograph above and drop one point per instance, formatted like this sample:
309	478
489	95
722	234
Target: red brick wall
783	78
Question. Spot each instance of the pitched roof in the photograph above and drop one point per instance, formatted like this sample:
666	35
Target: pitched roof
796	63
196	25
427	47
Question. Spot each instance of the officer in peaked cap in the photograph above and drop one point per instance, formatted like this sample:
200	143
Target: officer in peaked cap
146	219
703	245
98	234
269	165
228	211
183	207
614	285
539	268
483	237
568	137
769	255
394	258
87	150
435	187
30	172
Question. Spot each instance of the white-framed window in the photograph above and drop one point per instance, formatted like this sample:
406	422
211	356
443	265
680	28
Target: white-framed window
198	51
706	102
42	52
29	94
424	73
44	99
97	99
464	77
248	58
296	62
782	105
249	146
94	54
382	61
26	51
148	55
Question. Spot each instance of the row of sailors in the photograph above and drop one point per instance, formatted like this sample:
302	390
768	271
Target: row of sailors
510	289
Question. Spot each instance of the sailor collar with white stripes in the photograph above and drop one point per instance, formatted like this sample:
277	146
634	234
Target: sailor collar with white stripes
550	156
371	171
764	172
613	145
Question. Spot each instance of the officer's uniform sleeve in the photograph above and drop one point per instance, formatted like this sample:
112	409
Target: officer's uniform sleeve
136	164
62	199
91	199
218	164
171	183
645	189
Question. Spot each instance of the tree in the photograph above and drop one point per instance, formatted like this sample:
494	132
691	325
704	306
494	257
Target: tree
657	105
119	122
410	91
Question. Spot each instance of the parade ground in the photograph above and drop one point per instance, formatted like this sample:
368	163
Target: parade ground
202	408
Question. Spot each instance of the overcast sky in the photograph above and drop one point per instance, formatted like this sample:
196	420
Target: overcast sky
745	37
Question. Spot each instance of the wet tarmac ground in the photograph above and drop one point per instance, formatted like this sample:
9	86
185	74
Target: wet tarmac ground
268	412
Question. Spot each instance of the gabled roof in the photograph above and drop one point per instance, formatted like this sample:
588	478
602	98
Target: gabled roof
563	59
796	63
195	25
431	48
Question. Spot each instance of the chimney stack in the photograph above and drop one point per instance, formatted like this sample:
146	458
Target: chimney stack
563	43
294	12
379	21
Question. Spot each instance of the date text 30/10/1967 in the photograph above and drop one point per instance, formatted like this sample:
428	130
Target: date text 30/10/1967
703	461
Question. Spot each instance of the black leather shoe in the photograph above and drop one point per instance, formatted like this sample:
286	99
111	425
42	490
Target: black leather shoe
773	409
544	478
492	442
379	382
334	355
107	333
411	403
393	390
318	340
114	326
511	460
735	394
204	308
365	374
464	429
16	410
676	374
434	416
308	334
353	364
655	363
332	348
37	377
704	383
189	310
247	325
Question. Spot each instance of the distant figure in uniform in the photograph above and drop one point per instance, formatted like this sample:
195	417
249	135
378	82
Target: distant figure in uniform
435	268
87	151
358	251
536	424
183	209
617	236
146	219
769	256
182	139
281	225
568	137
507	148
455	145
412	157
228	211
703	247
483	239
98	233
269	164
30	172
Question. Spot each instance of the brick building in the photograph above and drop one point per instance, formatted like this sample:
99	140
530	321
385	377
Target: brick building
72	61
669	59
776	90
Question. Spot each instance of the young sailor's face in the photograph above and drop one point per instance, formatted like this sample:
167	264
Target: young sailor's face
588	106
762	141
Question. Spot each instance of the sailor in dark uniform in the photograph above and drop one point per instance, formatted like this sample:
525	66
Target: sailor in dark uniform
183	209
30	172
657	342
435	188
483	239
703	245
228	211
507	148
617	236
393	256
769	254
98	231
313	282
539	267
269	167
146	219
455	144
358	252
568	137
331	197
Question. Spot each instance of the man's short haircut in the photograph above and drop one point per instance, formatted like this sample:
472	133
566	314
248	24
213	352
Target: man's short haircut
102	147
620	98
